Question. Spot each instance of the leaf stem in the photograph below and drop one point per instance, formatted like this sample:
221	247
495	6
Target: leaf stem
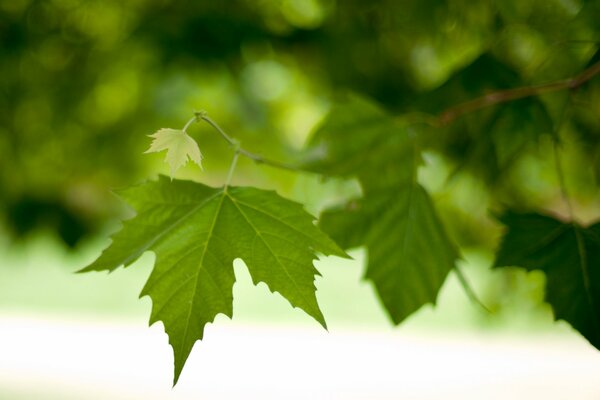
187	125
201	115
561	181
560	174
236	155
469	289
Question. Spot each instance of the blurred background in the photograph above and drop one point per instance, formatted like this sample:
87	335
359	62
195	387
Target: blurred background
83	82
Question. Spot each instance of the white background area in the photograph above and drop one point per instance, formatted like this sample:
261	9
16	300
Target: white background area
66	336
61	359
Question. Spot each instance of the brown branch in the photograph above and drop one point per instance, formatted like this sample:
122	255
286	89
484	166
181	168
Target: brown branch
504	96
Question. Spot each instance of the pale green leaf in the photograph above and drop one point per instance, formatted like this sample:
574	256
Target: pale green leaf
196	232
179	145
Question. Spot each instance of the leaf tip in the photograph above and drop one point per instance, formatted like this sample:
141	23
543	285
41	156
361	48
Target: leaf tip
93	267
324	325
344	254
178	368
84	270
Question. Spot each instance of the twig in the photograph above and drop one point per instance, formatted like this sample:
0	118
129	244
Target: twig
201	115
469	289
446	117
503	96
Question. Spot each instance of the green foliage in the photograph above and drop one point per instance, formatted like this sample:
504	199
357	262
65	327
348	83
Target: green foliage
409	253
359	139
569	255
496	100
83	81
196	232
488	143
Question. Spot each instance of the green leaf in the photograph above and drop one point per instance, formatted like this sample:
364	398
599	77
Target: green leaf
569	255
487	142
359	139
409	253
179	145
196	232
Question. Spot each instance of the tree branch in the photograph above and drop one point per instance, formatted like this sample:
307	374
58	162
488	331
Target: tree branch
503	96
446	117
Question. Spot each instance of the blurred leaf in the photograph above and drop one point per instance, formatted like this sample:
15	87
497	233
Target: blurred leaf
489	141
30	213
569	254
409	253
359	139
196	232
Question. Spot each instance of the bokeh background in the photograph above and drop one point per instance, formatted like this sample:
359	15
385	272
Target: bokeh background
83	82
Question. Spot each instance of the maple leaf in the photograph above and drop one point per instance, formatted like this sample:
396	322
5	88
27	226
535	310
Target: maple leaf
569	255
359	139
179	145
409	254
196	232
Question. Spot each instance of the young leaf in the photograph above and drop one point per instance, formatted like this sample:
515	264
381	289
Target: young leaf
569	255
179	145
196	232
409	253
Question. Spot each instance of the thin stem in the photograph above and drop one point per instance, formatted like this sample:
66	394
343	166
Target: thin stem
469	289
212	123
235	144
232	168
561	181
191	121
261	160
